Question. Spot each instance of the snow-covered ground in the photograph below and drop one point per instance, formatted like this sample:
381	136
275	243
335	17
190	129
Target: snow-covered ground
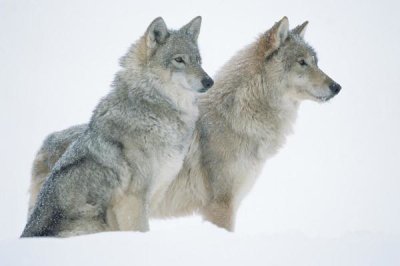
208	246
330	197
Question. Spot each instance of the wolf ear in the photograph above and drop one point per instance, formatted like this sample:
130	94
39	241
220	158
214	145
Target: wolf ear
279	32
300	29
193	28
156	33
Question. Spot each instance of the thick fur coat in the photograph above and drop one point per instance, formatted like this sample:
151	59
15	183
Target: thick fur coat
244	120
135	142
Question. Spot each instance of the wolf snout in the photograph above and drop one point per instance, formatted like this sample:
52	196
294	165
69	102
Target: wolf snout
335	88
207	83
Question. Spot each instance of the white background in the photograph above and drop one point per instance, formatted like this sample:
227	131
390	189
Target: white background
337	175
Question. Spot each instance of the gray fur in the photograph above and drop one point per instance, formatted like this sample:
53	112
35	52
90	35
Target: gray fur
244	120
136	139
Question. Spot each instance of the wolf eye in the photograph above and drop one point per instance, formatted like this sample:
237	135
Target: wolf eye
302	62
179	59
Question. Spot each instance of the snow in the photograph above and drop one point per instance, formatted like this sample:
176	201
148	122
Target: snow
208	246
330	197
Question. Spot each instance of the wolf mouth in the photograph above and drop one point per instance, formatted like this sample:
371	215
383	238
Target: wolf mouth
324	99
321	98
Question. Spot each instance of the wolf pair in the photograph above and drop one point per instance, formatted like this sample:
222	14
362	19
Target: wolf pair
155	149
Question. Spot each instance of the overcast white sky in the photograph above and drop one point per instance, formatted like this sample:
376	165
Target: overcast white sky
337	174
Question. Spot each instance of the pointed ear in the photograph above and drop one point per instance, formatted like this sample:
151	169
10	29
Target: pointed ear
301	29
156	33
193	28
279	32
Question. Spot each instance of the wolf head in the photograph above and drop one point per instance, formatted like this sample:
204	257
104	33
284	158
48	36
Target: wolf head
290	59
171	55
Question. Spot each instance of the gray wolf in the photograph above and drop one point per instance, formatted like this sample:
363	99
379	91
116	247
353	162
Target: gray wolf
244	120
134	144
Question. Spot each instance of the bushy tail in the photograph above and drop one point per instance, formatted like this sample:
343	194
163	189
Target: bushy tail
52	149
44	221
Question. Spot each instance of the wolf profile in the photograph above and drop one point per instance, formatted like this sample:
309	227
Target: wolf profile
134	144
244	119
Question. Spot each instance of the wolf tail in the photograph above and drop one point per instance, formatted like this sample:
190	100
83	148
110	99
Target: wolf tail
44	220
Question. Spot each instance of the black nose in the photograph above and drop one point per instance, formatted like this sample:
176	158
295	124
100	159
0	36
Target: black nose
207	82
335	88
